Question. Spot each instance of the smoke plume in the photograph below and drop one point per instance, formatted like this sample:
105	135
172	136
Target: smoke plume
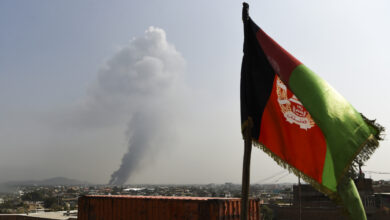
139	83
145	128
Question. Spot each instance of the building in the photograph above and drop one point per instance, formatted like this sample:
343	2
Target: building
308	203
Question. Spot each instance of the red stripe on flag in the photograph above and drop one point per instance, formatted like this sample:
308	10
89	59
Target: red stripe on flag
282	61
288	131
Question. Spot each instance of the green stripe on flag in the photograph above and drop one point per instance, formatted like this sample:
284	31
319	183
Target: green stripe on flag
328	175
344	128
351	199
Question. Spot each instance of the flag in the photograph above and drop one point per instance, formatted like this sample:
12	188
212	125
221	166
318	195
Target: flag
302	122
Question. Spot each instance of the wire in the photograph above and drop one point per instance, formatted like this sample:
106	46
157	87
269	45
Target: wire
272	176
376	172
282	177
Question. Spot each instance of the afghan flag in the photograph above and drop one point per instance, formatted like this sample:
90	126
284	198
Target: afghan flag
302	122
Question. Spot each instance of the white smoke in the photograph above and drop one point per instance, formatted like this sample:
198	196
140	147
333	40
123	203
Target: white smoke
139	84
142	78
141	74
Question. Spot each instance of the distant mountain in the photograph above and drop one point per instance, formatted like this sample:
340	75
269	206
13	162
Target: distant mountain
47	182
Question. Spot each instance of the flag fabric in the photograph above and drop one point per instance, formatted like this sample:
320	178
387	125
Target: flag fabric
303	123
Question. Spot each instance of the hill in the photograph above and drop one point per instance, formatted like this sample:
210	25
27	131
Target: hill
56	181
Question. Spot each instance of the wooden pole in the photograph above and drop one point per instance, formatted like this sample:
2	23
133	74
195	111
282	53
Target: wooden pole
247	133
246	170
300	198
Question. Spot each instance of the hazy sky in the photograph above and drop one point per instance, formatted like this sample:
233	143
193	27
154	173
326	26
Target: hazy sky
69	99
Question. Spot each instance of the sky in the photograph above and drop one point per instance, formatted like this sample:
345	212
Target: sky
79	78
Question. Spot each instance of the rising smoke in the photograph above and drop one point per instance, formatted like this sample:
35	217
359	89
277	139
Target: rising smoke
145	128
140	83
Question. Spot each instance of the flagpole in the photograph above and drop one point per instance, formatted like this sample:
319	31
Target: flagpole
300	198
246	170
247	148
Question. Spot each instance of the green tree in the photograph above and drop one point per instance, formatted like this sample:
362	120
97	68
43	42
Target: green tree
266	212
70	190
49	202
33	196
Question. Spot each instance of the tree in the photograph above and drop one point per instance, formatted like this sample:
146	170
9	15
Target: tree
266	212
33	196
49	202
70	190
